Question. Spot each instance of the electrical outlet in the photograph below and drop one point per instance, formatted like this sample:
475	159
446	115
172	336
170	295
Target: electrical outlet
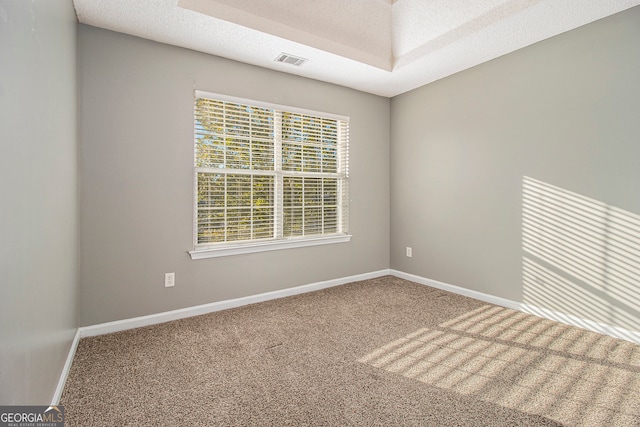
409	252
169	280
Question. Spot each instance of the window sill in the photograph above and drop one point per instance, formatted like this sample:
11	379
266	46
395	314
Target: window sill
252	247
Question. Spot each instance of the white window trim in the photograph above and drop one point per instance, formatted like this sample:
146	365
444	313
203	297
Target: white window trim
227	249
247	247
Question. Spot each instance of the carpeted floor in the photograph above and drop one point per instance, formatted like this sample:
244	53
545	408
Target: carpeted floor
382	352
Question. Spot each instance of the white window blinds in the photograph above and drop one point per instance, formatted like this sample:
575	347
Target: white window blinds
263	173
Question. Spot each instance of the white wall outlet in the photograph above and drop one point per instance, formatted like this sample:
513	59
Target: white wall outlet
169	280
409	252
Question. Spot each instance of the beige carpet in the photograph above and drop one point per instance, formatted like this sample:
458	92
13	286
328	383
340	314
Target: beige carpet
382	352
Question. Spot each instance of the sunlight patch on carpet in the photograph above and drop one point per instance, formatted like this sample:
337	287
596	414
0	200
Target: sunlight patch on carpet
523	362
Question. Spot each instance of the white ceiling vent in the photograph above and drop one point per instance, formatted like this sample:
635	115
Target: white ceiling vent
290	59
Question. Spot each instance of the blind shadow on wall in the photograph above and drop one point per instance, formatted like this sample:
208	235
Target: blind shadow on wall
581	256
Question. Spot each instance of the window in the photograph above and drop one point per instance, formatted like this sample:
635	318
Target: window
267	177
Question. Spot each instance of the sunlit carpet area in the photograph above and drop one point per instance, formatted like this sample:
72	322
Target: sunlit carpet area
379	352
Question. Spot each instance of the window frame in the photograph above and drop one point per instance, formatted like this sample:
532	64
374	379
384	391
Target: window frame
220	249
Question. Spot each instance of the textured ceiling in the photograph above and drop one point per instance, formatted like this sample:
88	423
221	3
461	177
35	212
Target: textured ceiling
384	47
360	30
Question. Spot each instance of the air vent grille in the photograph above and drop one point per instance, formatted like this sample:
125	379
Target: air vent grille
291	59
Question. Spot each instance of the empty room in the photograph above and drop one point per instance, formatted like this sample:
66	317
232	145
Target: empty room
336	213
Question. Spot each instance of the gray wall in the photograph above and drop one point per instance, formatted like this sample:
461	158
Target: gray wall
38	196
136	179
520	177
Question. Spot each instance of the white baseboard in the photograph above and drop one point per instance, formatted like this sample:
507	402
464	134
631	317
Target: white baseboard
591	325
137	322
65	370
457	290
152	319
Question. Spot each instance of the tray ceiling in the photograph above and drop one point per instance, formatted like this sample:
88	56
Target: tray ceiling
384	47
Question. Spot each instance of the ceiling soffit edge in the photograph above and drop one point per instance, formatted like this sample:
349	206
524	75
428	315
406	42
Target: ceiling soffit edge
379	58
